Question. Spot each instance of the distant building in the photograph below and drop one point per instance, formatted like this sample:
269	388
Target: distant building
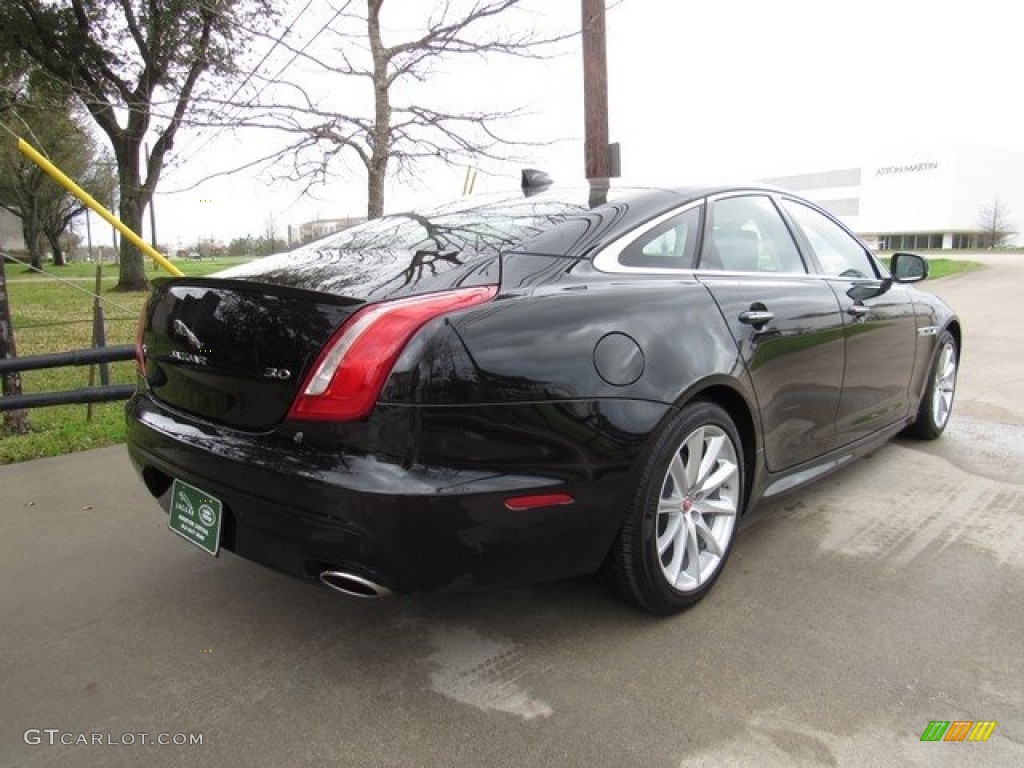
314	230
11	237
926	199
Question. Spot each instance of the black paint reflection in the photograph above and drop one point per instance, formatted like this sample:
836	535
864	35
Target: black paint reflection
404	252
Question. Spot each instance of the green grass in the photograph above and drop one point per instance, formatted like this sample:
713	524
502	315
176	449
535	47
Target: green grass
939	267
946	267
53	316
82	270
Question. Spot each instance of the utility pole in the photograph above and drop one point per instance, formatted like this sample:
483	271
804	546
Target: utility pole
597	158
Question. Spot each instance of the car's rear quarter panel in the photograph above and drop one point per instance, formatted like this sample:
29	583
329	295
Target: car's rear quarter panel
539	344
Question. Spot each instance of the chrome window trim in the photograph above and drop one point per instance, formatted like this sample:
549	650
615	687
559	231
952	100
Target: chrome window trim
607	259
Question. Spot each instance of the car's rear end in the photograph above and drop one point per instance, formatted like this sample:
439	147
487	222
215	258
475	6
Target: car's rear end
260	397
276	417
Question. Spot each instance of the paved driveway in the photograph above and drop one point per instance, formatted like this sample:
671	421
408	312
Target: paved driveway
851	615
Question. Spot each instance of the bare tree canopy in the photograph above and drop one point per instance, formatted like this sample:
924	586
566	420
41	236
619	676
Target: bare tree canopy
995	224
138	67
383	62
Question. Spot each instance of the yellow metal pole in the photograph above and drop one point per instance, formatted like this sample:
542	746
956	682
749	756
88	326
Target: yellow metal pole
54	172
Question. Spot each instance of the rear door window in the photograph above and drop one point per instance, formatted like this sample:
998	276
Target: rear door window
748	234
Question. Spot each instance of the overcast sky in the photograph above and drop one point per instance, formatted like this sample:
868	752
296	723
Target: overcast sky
697	90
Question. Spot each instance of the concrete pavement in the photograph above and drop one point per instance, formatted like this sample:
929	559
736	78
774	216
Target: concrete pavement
850	615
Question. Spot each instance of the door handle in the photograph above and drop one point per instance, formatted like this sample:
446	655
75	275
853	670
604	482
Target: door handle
858	310
756	317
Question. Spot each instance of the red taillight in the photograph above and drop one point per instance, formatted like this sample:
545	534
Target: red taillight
347	377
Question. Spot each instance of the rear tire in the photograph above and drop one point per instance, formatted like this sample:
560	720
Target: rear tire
937	403
683	517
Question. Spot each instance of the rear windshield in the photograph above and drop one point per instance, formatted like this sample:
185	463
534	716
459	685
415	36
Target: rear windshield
468	228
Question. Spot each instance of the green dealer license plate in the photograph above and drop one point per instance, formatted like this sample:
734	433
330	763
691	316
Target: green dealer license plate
196	515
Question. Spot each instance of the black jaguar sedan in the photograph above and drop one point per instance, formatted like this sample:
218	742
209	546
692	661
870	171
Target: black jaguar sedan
514	389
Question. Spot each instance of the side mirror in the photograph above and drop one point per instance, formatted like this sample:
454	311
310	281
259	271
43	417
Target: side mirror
908	268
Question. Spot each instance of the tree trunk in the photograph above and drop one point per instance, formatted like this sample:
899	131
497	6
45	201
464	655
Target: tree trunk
132	270
380	138
58	251
33	239
375	187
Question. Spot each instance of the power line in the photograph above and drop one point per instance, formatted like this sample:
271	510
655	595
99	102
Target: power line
237	110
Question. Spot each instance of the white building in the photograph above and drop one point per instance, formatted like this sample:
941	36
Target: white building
10	232
925	199
314	230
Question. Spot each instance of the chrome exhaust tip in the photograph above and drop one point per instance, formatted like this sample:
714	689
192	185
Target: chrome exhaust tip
354	586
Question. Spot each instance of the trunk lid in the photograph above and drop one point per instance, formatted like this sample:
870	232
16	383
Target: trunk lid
235	352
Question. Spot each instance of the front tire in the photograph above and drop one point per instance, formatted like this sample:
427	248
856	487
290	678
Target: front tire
937	403
682	520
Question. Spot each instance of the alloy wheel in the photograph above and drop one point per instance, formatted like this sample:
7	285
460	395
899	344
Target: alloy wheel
945	385
697	508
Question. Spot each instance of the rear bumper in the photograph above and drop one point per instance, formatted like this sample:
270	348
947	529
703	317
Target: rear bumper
304	506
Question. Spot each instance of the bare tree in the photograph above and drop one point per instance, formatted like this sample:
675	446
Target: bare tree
270	228
995	224
62	208
136	65
397	121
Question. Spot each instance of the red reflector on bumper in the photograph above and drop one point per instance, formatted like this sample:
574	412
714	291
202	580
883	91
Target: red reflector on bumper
520	503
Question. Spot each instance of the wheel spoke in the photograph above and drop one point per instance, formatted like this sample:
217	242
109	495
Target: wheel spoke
723	507
726	470
948	370
678	552
671	530
693	569
707	536
712	450
670	506
677	471
695	448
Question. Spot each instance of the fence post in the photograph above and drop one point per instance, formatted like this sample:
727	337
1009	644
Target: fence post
13	421
99	337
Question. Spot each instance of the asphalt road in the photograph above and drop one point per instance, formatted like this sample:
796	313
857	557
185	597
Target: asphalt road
851	614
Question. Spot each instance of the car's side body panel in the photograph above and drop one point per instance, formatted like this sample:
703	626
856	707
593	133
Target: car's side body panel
795	361
881	347
551	342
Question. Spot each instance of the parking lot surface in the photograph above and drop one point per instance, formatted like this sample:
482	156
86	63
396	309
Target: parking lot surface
851	615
